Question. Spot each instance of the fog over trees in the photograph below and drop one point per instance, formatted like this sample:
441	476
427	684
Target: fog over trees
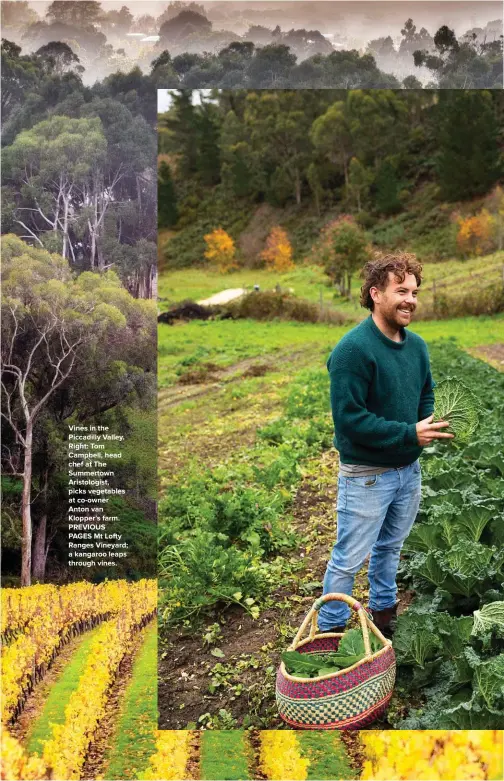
322	37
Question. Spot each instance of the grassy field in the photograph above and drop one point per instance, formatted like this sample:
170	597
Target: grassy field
450	278
182	348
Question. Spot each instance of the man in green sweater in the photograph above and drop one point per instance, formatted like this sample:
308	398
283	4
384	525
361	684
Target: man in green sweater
382	401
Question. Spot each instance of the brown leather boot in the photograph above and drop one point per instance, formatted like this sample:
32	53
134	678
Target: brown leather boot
385	620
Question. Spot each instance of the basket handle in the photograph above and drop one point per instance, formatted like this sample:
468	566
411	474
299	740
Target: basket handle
313	613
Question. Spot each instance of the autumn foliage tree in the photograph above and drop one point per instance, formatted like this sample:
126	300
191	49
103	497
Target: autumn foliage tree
221	250
476	234
278	252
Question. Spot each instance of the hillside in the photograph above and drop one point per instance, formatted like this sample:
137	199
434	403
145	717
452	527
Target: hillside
396	164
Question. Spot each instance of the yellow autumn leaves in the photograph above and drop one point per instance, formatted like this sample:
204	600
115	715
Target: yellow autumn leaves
429	755
221	251
65	752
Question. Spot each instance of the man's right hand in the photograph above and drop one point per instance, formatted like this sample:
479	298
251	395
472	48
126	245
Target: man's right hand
427	431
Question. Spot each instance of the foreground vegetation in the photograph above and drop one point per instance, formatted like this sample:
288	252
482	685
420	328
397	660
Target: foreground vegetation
228	522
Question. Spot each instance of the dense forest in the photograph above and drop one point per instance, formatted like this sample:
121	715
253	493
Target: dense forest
79	163
404	163
79	338
191	45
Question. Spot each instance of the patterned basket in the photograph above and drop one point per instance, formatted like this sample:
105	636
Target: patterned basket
347	699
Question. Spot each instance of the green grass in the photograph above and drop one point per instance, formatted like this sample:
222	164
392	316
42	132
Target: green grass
224	755
200	283
60	692
135	740
327	754
226	342
310	282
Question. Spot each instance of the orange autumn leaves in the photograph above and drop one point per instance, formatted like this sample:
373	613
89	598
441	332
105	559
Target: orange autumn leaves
221	251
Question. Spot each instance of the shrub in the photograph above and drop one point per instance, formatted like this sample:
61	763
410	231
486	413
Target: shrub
270	305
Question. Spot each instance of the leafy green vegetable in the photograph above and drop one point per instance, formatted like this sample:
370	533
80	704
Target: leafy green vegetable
312	665
489	617
352	642
416	639
350	651
489	678
458	405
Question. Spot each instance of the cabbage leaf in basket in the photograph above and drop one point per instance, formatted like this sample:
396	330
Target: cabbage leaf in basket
350	651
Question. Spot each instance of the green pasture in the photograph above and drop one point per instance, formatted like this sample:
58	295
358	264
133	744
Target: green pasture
226	342
307	281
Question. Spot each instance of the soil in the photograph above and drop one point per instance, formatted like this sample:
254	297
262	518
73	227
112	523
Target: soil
492	353
224	297
251	646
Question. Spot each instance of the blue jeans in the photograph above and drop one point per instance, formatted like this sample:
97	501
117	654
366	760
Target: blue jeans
375	515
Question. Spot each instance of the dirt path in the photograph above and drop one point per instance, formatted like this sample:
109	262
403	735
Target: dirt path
224	297
491	353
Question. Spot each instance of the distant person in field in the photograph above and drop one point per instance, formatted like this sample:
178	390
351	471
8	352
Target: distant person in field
382	401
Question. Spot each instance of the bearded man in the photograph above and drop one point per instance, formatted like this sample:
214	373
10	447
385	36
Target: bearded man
382	401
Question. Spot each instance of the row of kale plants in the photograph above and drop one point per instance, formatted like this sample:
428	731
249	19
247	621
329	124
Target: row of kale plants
224	531
450	642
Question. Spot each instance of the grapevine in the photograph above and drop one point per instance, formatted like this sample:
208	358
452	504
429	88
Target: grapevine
429	755
169	763
280	756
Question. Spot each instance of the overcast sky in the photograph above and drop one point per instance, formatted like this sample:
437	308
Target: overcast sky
164	98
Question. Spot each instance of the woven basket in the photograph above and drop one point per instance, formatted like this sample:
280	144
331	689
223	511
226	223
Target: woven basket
346	699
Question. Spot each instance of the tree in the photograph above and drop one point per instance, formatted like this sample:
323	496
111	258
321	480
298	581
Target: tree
49	320
167	199
476	234
271	66
343	249
278	124
468	162
495	205
220	250
387	188
176	7
278	251
51	162
117	22
182	123
359	181
183	25
84	13
20	74
314	177
331	136
17	15
57	58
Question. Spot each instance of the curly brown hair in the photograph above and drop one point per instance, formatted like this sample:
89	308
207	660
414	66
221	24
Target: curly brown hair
375	273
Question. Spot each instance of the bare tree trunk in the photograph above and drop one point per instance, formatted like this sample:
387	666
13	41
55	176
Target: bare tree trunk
39	545
40	550
297	186
26	544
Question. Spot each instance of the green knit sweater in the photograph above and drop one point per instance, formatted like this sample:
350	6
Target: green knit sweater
380	389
